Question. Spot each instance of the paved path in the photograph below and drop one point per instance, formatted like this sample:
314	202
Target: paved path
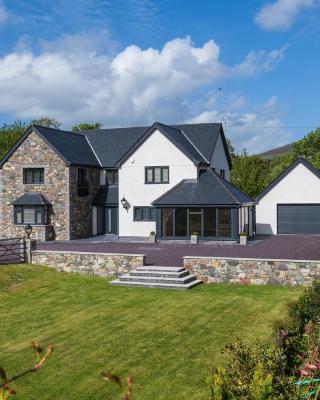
293	247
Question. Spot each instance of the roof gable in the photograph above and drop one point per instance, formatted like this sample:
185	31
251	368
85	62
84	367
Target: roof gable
298	161
176	136
72	148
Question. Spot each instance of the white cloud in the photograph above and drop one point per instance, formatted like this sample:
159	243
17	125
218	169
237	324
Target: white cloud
3	13
256	131
81	79
281	14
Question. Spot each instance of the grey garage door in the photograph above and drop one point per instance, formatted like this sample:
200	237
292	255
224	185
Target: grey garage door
299	218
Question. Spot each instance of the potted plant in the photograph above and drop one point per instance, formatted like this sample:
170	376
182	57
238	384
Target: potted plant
194	238
243	238
152	237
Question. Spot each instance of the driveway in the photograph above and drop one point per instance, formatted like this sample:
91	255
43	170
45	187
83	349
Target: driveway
289	247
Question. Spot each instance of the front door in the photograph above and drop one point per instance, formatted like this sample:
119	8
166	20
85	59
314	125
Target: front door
107	220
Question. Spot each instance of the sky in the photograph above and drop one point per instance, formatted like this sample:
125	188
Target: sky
251	64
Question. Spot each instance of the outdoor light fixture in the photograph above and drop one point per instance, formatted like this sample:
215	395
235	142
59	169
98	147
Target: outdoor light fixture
125	203
28	230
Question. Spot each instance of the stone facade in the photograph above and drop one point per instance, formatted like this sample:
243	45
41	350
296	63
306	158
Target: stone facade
34	152
258	272
81	207
101	264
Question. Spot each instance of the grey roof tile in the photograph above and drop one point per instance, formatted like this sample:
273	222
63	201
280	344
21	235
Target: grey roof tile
31	199
107	196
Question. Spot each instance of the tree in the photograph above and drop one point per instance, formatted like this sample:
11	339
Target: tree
47	122
249	173
9	135
90	126
309	148
230	147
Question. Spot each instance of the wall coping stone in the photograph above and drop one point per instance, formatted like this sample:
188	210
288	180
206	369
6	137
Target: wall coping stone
249	259
86	252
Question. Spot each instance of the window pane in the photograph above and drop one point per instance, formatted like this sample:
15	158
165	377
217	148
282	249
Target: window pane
224	218
115	177
153	214
210	222
18	214
29	176
110	177
37	176
28	215
165	174
195	221
181	222
149	175
138	213
82	176
157	175
38	216
146	213
167	222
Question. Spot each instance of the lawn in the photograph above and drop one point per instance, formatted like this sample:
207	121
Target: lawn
168	340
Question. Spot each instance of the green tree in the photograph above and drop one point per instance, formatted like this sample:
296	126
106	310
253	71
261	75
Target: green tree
87	126
249	173
309	148
9	135
230	147
47	122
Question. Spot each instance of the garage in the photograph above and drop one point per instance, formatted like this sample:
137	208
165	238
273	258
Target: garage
298	218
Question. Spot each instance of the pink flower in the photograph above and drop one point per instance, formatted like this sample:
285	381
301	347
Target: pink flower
309	366
304	373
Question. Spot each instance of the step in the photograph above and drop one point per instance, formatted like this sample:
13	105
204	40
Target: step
153	268
159	274
189	285
152	279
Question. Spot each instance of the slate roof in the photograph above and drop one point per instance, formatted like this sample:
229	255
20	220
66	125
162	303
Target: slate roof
31	199
107	196
299	160
73	148
209	189
107	148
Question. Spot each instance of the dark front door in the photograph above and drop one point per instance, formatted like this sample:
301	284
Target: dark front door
107	220
299	218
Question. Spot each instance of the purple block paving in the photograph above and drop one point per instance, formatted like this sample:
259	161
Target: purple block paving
288	247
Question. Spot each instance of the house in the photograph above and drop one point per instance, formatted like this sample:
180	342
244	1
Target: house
291	203
173	180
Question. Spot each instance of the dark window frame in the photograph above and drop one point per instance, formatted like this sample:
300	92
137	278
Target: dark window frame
33	171
153	168
144	210
82	182
115	177
42	210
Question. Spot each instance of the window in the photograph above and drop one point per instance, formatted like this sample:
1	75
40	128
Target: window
33	176
157	175
144	214
34	215
83	185
222	173
111	176
167	222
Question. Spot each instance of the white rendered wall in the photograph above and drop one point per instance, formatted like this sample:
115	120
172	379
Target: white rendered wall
299	186
157	150
219	159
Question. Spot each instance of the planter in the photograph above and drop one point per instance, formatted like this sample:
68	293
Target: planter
243	240
194	239
152	239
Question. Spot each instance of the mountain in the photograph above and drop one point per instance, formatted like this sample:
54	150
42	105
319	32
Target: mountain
276	152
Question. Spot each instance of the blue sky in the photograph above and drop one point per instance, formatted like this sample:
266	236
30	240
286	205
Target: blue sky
253	65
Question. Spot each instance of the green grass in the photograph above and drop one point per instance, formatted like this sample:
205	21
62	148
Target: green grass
168	340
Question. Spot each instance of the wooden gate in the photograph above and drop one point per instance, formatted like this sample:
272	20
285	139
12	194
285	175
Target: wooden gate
12	251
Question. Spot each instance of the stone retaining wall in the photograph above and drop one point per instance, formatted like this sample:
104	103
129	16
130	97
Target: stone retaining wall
253	271
102	264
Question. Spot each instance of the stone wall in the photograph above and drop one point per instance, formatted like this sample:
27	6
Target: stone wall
102	264
255	271
34	152
81	207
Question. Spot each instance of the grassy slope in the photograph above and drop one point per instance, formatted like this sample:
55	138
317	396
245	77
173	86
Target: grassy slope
166	339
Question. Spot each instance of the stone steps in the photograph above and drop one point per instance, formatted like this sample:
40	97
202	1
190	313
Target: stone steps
158	277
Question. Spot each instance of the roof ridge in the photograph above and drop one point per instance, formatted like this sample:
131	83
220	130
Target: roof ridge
185	135
91	147
220	180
